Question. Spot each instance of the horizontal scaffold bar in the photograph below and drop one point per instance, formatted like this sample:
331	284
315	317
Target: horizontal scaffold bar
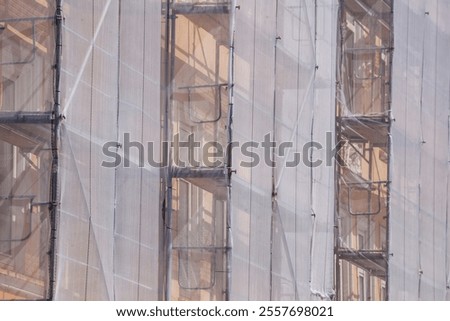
26	117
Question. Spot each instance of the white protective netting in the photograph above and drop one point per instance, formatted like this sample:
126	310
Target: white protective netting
284	250
287	66
419	229
108	229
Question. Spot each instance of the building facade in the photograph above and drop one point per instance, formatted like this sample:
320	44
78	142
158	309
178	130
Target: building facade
224	150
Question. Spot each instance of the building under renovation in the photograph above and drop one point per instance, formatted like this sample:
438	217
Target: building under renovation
224	150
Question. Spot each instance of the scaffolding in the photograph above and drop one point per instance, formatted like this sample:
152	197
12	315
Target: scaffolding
197	106
363	133
29	119
186	81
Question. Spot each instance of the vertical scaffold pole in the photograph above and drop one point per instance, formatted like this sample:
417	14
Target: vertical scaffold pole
53	207
229	240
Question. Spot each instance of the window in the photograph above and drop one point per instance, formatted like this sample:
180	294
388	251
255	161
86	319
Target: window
6	167
7	92
361	286
360	242
383	290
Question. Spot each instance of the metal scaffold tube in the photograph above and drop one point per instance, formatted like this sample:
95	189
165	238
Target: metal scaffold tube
54	201
390	158
229	236
167	180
